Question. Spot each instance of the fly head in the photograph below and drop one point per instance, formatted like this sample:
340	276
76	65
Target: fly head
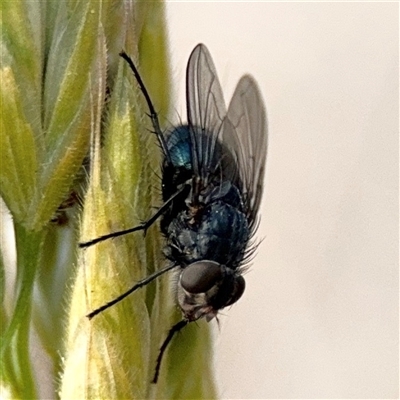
205	287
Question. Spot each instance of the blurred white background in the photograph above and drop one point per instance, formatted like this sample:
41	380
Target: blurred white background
319	318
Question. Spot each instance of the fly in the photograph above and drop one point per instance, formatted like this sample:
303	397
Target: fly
212	180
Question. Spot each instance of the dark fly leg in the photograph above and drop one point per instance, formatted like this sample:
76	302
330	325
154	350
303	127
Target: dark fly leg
176	328
142	227
153	115
138	285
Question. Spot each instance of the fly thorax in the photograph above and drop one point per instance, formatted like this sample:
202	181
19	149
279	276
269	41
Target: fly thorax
218	232
206	287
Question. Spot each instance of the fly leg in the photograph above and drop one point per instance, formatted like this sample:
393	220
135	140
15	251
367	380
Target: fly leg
138	285
153	115
142	227
176	328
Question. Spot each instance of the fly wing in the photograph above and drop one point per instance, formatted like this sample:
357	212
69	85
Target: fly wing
206	111
245	134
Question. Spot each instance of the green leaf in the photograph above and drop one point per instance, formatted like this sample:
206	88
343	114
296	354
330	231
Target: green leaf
115	343
17	149
21	39
68	105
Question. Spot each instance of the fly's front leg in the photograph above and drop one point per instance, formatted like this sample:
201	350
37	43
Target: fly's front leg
142	227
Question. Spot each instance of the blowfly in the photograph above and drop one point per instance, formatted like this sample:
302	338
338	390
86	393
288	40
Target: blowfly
212	181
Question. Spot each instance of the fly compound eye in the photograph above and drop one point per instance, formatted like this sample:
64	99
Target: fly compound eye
239	286
201	276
